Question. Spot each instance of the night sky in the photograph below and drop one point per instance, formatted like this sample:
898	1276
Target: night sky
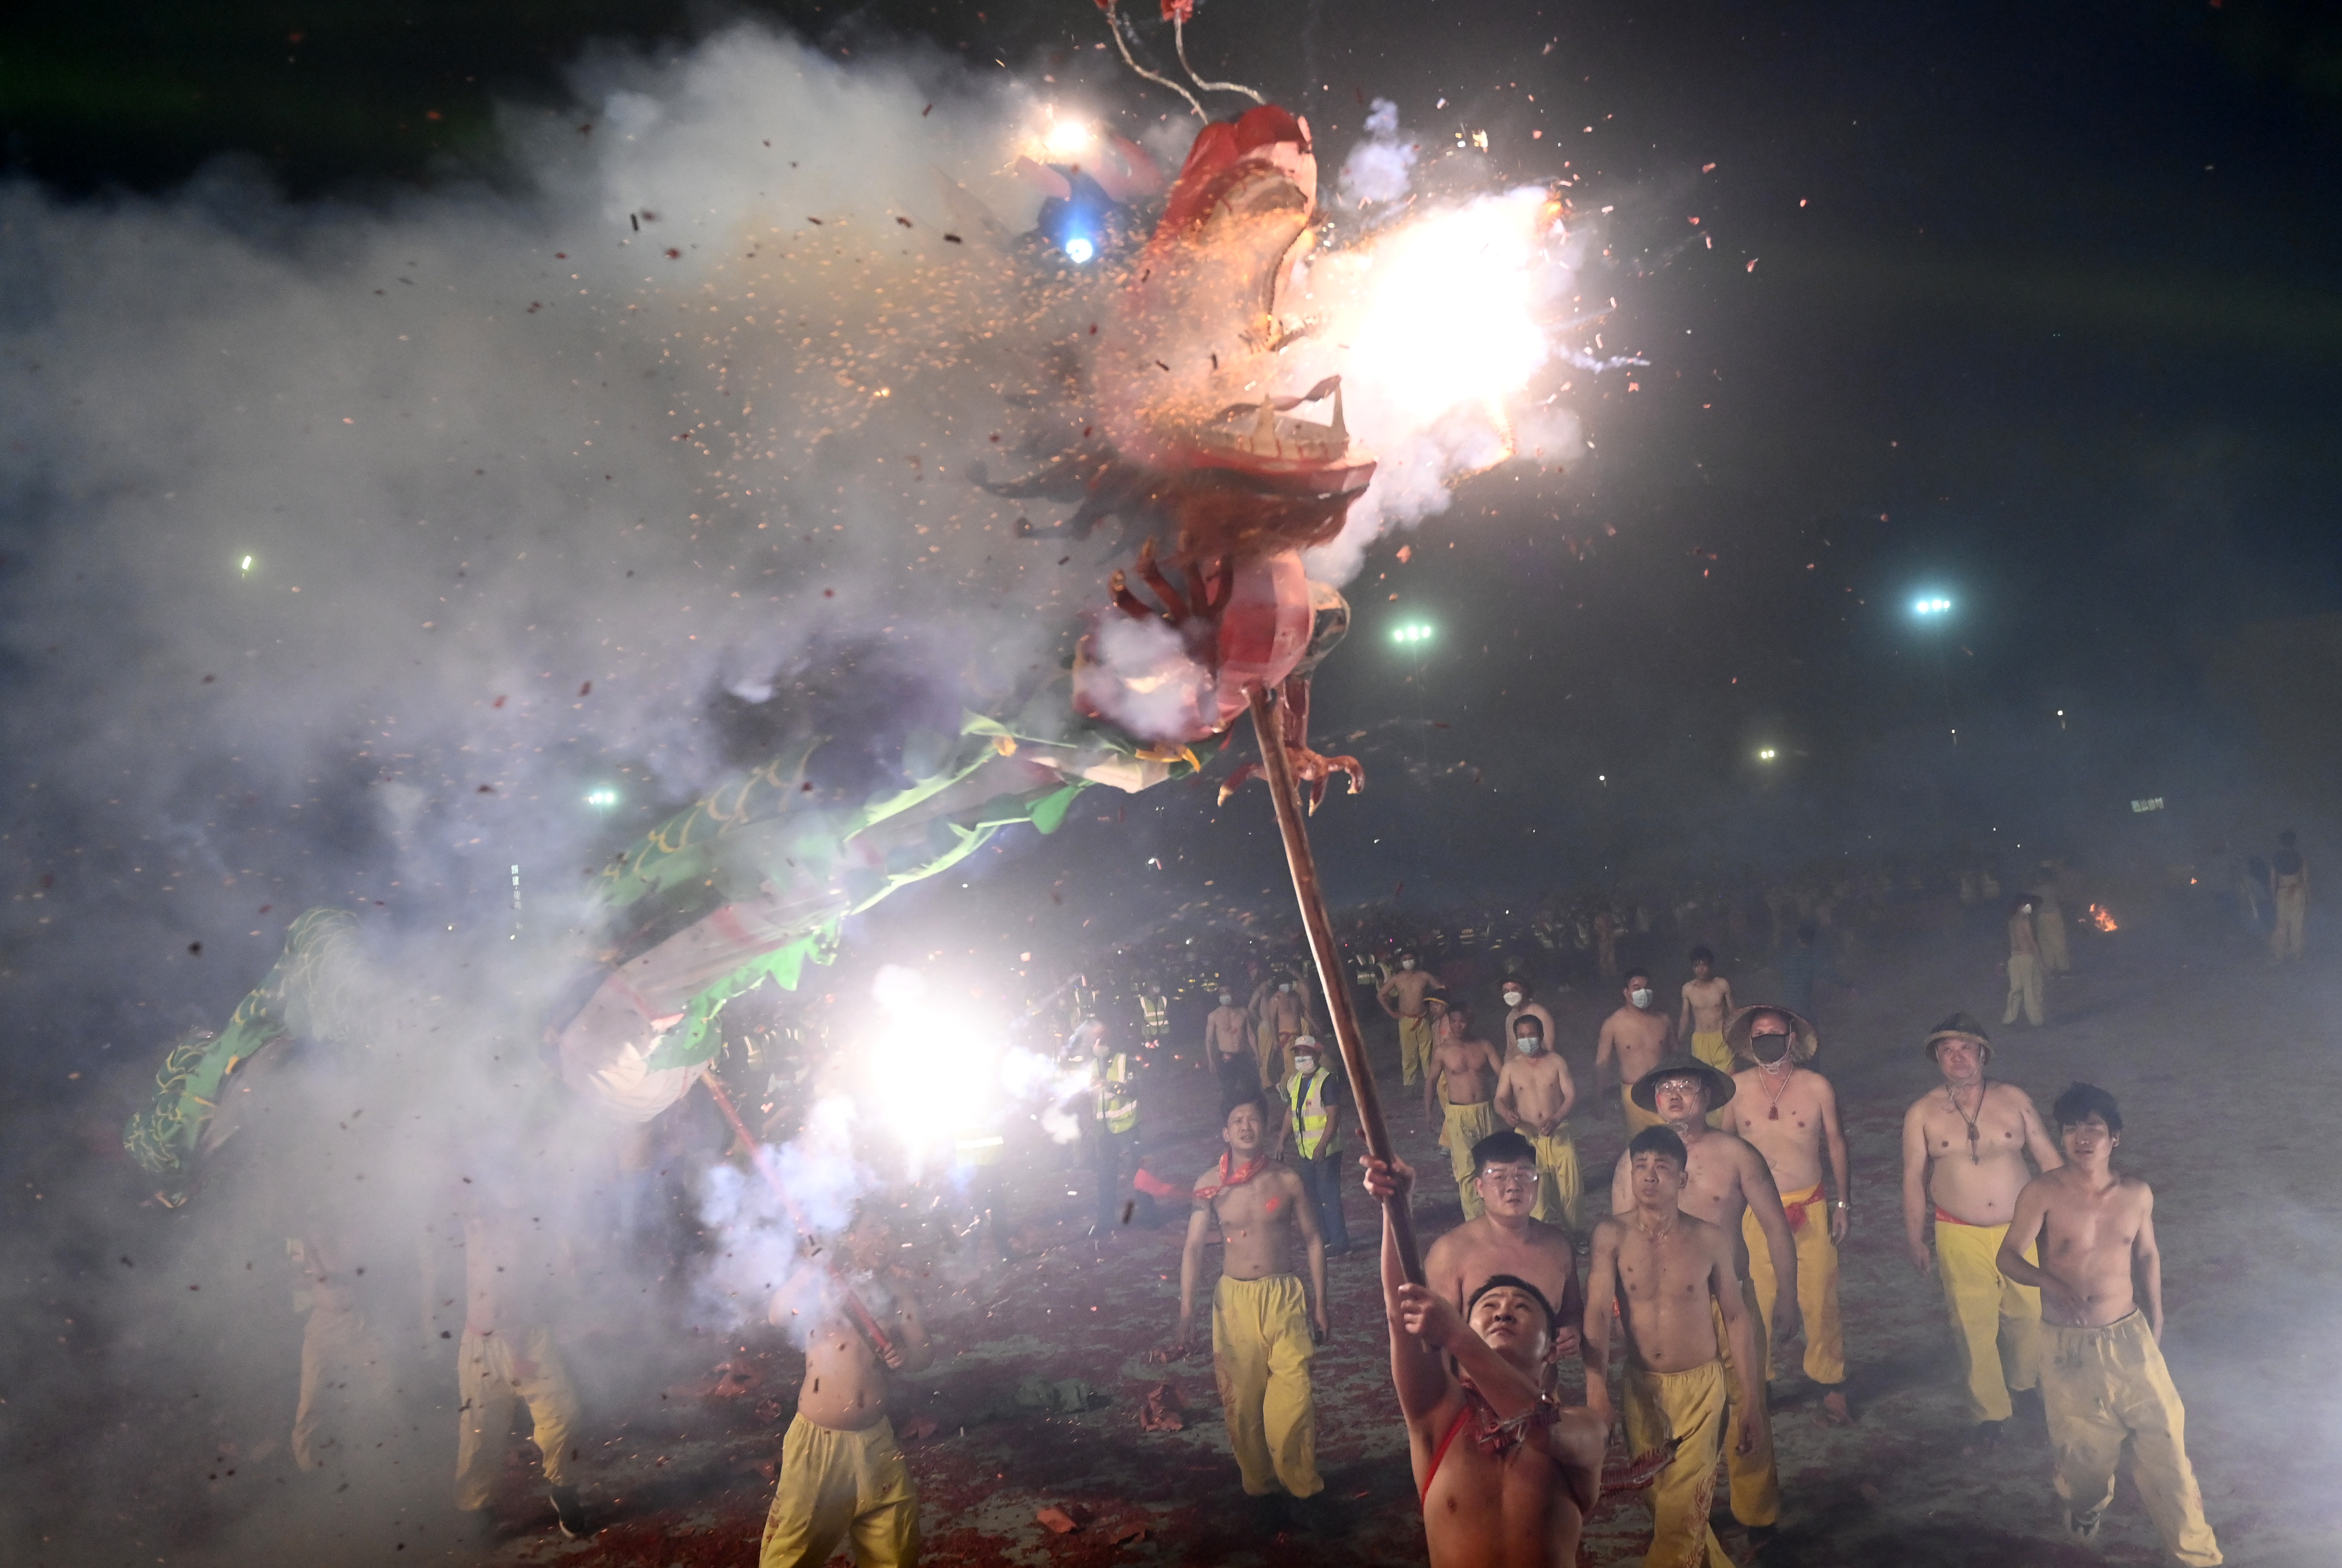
2041	317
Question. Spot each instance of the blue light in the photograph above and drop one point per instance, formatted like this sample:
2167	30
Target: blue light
1078	249
1930	607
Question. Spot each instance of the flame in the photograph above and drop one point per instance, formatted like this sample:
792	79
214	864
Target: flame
2102	919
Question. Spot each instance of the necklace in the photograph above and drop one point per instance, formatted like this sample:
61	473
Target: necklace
1976	1156
1776	1083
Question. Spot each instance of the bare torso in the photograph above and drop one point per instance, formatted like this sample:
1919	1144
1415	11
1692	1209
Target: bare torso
1285	1013
1464	1259
1705	1002
1718	1170
1663	1291
1791	1144
844	1386
1535	1092
1225	1029
1468	1067
1525	1508
1637	1039
2088	1242
1257	1223
1977	1183
1404	991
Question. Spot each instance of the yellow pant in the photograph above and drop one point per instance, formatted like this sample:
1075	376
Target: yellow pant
2101	1386
1756	1475
2023	989
1996	1321
1661	1405
1559	1199
1709	1046
1636	1117
346	1386
836	1485
1413	1048
1264	1050
1261	1352
1466	1125
494	1370
1816	1285
2292	905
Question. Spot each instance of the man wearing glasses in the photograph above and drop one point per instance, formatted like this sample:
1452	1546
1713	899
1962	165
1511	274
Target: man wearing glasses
1506	1241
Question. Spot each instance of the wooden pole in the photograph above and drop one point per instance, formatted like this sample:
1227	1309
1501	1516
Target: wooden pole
860	1313
1287	792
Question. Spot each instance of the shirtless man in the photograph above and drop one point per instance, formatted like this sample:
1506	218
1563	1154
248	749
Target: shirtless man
1287	1016
1264	1331
1227	1046
1403	997
1504	1240
2024	965
1963	1149
1502	1499
1707	999
1533	1096
1668	1274
1519	997
2103	1381
1467	1068
842	1476
1725	1182
1635	1039
2290	892
1787	1113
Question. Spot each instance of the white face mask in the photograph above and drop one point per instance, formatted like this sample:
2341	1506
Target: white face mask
1512	999
1305	1065
1227	1000
1640	996
1528	1044
1407	964
1285	986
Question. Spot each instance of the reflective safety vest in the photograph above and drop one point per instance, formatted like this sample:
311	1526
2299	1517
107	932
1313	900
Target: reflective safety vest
1310	1118
980	1148
1118	1103
1157	1011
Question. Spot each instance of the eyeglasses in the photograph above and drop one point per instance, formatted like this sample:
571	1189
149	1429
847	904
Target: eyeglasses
1508	1175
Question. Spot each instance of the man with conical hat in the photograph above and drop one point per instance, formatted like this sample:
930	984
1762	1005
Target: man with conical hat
1725	1182
1964	1157
1789	1113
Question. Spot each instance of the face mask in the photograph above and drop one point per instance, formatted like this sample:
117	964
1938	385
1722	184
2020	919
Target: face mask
1227	1000
1528	1044
1407	964
1640	996
1305	1065
1512	999
1769	1048
1285	986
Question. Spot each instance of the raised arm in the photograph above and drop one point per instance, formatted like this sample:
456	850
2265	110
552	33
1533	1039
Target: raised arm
1765	1201
1419	1372
1914	1190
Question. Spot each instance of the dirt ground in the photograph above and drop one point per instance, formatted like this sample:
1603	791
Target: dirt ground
2212	1052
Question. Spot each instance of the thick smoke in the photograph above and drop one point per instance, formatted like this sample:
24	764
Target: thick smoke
408	555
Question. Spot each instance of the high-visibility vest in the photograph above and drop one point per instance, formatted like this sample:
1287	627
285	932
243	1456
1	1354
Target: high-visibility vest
1310	1119
1155	1009
1117	1104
